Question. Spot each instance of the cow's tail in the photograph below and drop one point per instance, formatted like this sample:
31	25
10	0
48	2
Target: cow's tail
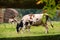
51	24
47	17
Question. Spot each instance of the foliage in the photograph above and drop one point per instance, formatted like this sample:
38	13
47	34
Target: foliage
58	6
51	8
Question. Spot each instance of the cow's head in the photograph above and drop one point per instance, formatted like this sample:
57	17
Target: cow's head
19	25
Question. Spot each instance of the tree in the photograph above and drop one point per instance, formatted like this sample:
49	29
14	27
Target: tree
50	7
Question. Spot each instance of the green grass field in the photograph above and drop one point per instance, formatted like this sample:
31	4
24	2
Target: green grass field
8	31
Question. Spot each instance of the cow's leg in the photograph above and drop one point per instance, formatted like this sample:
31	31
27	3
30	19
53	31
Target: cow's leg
23	29
28	28
25	26
46	27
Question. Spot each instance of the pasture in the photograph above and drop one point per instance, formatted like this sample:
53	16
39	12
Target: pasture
8	32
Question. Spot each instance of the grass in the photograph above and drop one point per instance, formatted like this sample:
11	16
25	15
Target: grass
8	31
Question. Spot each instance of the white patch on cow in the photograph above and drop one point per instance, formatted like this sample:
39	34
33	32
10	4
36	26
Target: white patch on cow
25	18
37	16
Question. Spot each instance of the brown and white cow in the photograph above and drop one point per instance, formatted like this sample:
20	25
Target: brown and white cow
32	19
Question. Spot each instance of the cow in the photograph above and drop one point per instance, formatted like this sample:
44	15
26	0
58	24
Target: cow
32	20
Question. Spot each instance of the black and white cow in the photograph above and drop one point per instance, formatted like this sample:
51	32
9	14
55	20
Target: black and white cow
32	19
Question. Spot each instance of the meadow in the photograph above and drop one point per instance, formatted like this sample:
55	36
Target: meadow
8	32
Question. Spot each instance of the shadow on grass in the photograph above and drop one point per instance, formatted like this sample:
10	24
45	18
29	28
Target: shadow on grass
47	37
